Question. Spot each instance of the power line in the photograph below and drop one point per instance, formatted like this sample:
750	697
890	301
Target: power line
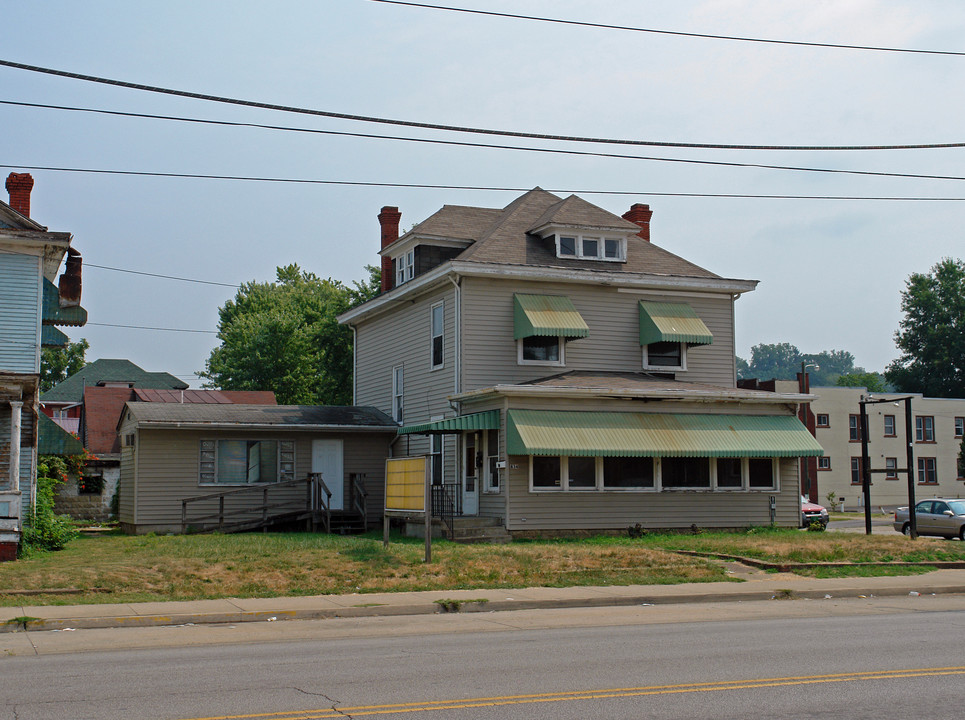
424	186
678	33
165	277
145	327
404	123
343	133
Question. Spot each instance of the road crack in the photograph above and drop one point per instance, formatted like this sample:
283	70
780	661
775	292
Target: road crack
335	703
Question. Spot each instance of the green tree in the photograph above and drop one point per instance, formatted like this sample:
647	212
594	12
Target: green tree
875	382
283	336
44	529
782	361
931	336
58	364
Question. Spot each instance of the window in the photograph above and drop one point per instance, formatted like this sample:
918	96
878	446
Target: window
409	265
438	314
90	485
626	473
960	427
405	267
665	355
822	420
591	247
924	429
539	350
545	473
241	462
435	458
684	472
854	428
60	413
760	473
855	471
730	473
397	393
581	473
824	463
492	450
927	471
889	426
891	465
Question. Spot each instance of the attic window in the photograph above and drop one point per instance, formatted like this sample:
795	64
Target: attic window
405	267
591	247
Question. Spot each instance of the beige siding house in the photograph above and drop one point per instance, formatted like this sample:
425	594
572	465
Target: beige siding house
564	373
938	427
171	452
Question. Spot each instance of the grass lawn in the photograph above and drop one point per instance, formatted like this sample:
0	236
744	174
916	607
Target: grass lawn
120	568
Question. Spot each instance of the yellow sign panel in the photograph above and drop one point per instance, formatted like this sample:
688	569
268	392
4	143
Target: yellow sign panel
405	484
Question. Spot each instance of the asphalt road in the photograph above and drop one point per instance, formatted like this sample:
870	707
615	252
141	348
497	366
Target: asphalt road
870	658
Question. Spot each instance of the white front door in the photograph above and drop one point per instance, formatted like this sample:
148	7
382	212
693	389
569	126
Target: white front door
471	472
327	460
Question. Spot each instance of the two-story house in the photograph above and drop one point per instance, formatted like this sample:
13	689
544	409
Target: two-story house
564	373
31	305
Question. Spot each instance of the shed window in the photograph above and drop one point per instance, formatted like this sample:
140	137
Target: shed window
243	462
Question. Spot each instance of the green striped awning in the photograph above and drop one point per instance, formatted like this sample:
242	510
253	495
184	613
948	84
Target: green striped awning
52	337
488	420
624	434
546	316
54	314
671	322
54	440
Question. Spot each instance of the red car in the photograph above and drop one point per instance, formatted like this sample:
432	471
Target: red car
812	512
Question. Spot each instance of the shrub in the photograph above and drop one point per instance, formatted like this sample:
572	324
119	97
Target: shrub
43	529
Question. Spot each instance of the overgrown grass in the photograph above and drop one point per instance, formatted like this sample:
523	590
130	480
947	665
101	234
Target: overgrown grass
118	568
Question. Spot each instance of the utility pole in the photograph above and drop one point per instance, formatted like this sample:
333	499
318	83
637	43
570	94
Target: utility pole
867	470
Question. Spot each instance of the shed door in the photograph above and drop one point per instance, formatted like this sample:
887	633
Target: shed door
327	460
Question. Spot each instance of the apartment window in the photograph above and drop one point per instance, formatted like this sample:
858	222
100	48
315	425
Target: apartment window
539	350
889	426
245	462
437	325
730	473
627	473
855	471
854	428
591	247
435	458
824	463
960	427
891	465
927	471
397	377
684	472
665	355
822	420
924	429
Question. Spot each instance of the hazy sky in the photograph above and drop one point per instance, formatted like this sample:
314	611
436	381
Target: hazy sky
830	271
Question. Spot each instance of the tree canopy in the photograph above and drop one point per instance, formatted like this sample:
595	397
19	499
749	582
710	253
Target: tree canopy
283	336
58	364
782	361
931	336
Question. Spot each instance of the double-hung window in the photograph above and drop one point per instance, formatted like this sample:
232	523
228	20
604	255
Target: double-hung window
891	465
665	355
960	427
397	393
437	325
822	420
855	471
889	426
541	350
824	463
924	429
927	471
854	428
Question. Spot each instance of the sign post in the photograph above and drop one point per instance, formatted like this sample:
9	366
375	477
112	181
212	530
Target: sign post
407	493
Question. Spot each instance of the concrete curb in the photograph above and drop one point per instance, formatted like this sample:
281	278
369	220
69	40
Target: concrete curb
431	607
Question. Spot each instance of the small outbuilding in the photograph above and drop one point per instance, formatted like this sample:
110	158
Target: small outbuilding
195	466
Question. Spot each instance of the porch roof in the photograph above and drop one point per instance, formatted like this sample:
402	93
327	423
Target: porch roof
488	420
626	434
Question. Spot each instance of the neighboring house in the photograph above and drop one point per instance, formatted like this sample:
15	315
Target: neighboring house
31	305
938	427
563	373
171	452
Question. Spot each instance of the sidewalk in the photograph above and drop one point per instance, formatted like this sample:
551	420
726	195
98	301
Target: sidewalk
758	586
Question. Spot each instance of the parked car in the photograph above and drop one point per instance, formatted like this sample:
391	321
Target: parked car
934	516
812	512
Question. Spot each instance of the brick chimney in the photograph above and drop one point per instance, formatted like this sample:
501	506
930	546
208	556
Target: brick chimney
389	220
640	214
19	186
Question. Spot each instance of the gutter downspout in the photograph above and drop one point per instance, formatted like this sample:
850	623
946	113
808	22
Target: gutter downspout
457	332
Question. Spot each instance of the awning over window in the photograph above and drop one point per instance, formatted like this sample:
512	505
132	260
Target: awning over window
52	337
54	314
54	440
538	432
672	322
488	420
546	316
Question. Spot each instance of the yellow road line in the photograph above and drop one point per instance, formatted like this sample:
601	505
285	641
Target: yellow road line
465	703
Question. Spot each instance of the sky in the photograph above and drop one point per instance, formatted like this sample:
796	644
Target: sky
831	272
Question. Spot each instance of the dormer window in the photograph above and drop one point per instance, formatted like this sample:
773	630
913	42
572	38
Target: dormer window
591	247
405	267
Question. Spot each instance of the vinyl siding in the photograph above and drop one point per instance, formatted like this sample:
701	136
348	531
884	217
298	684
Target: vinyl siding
126	487
167	472
20	288
489	350
613	510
